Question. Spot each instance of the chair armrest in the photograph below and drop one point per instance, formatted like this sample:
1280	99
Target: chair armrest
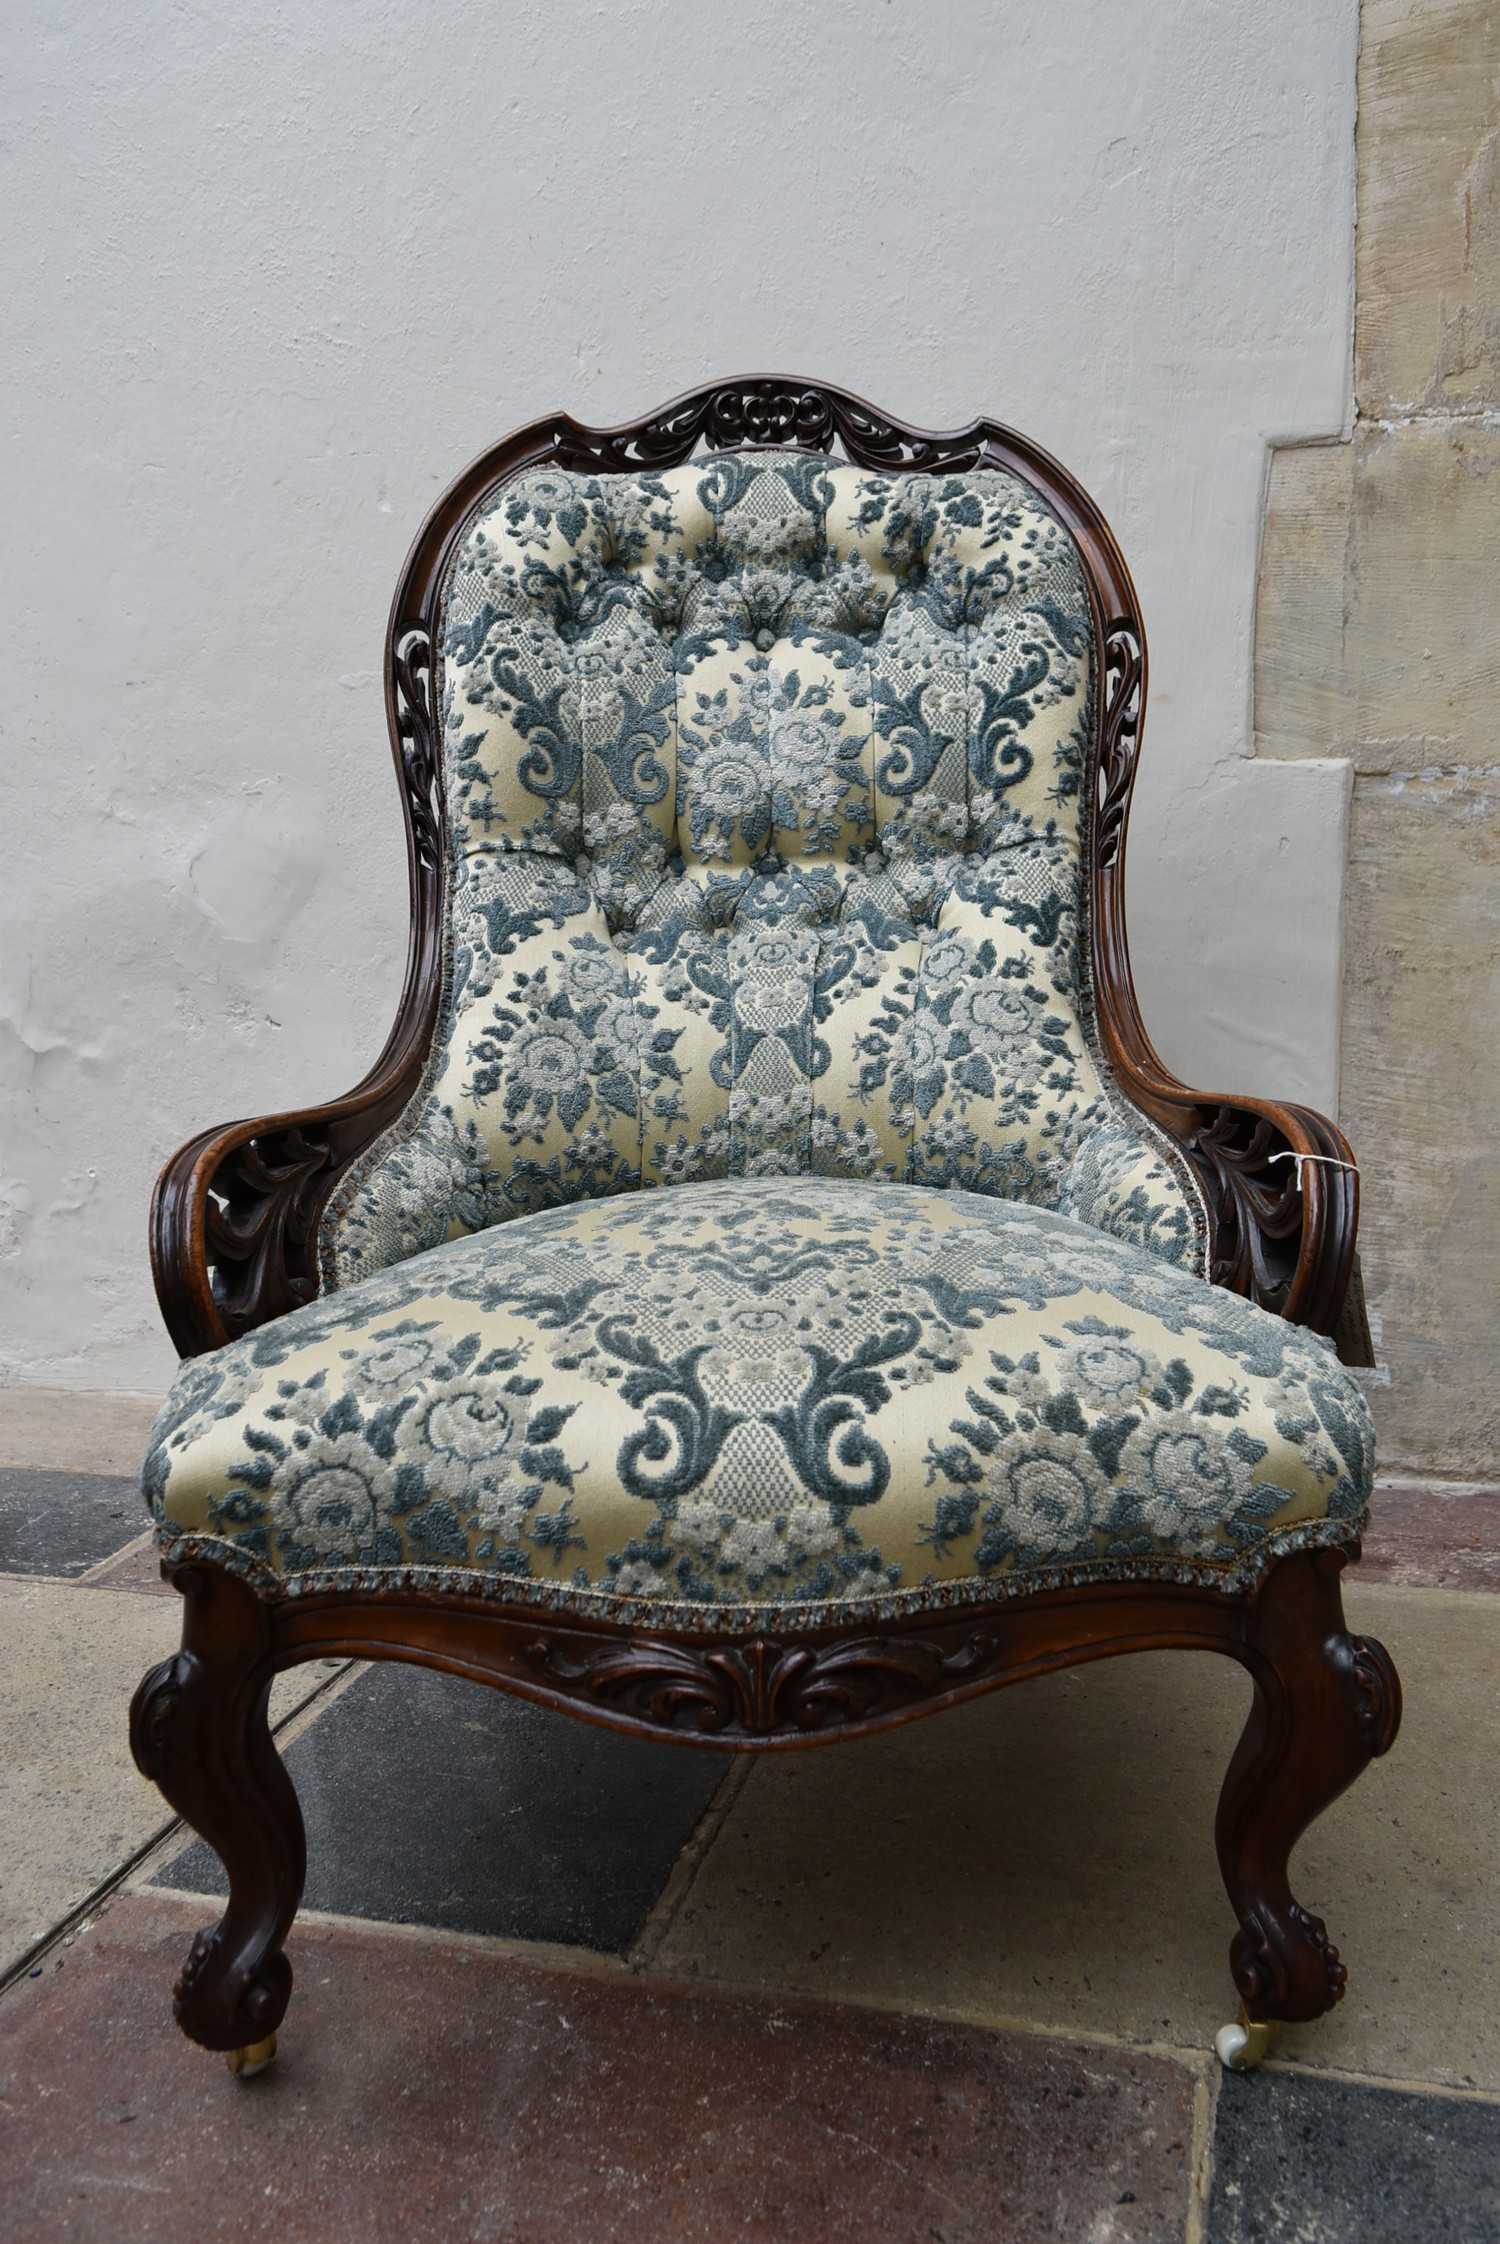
1280	1181
234	1217
1283	1199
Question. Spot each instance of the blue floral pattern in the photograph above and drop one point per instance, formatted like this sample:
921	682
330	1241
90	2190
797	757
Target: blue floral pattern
800	1395
764	786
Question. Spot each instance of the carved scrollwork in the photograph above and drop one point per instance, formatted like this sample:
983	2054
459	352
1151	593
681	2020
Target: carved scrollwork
1124	677
227	2000
412	680
663	441
1284	1964
1255	1200
1377	1689
154	1713
770	410
259	1223
762	1688
198	1730
725	419
664	1684
767	413
874	442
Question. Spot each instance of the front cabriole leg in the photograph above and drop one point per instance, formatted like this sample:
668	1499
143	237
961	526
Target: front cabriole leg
198	1730
1326	1704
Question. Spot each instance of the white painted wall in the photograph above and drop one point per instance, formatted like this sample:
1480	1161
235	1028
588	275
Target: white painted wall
275	274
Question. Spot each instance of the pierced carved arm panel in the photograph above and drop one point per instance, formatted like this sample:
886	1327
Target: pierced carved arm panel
1279	1180
234	1217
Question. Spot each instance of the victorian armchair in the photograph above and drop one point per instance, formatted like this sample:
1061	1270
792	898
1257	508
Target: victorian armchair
768	1287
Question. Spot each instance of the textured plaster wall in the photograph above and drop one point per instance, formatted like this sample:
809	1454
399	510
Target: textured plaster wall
273	275
1379	641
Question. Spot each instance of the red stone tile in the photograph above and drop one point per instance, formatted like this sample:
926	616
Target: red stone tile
432	2091
137	1567
1425	1536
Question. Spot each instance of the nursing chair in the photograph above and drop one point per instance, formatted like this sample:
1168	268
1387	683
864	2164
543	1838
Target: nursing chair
768	1287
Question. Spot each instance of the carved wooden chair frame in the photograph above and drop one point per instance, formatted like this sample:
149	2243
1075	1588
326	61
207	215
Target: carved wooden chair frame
233	1243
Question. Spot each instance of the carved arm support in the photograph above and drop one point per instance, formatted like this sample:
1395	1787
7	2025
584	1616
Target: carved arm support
234	1216
1280	1180
235	1213
1282	1193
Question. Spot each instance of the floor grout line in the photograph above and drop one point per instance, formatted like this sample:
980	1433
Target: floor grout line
286	1732
556	1955
1399	2083
1192	2056
1201	2173
66	1929
1382	1586
94	1574
647	1944
74	1581
1401	1484
1005	2022
601	1963
173	1835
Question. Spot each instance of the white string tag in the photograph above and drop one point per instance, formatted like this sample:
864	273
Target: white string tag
1329	1161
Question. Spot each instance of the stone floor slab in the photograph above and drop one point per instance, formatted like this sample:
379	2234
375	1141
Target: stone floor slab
1300	2161
1405	1861
1045	1856
72	1806
75	1430
436	1801
136	1567
64	1523
425	2089
1428	1535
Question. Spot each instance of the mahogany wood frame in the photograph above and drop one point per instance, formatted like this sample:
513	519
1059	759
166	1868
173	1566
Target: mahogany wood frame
233	1241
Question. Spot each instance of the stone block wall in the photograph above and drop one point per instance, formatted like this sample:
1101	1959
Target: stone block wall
1378	640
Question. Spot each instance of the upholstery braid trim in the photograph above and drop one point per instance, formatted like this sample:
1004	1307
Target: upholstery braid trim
790	1618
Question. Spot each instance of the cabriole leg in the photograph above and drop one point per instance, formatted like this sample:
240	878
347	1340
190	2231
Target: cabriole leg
198	1731
1326	1704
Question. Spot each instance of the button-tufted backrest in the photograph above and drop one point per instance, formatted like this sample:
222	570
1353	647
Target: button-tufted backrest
764	782
752	659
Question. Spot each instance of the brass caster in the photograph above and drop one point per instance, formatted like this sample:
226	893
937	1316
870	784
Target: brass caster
246	2063
1247	2043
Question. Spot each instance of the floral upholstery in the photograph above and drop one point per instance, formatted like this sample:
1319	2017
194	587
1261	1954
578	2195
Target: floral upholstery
797	1397
763	779
764	784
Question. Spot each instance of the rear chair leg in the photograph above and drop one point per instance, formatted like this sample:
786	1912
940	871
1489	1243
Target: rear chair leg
198	1731
1326	1704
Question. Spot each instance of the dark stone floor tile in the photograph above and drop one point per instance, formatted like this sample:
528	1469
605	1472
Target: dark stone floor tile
1430	1537
64	1523
433	1801
427	2090
1298	2160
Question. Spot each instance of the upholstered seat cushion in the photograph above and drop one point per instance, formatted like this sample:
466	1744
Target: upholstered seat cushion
796	1394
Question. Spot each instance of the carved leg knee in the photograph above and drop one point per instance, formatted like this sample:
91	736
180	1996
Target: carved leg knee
198	1731
1326	1704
